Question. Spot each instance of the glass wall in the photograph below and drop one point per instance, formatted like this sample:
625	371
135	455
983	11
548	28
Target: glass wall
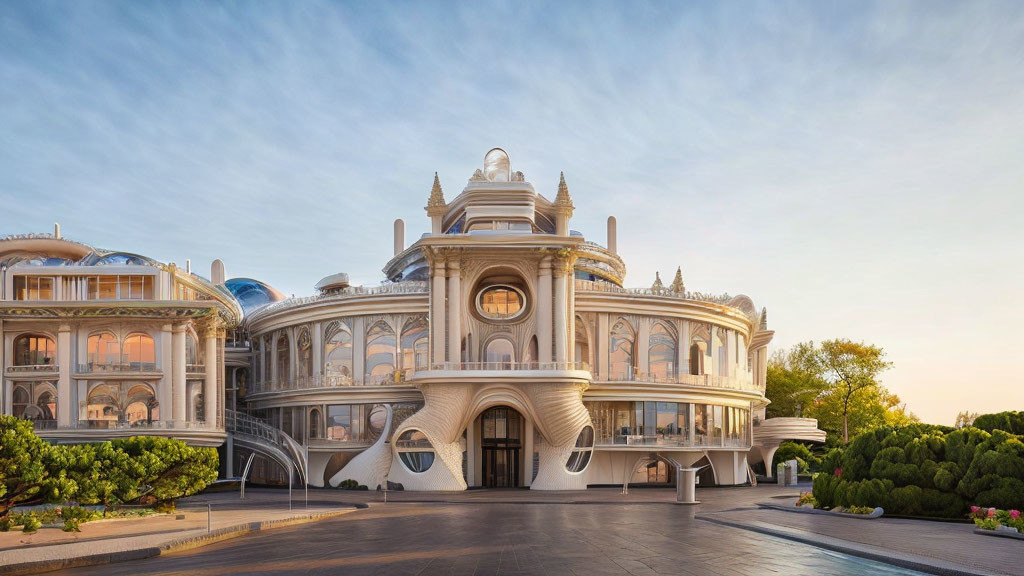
380	354
668	424
363	423
621	352
34	350
33	288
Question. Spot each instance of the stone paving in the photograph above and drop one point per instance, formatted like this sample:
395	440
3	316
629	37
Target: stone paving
425	538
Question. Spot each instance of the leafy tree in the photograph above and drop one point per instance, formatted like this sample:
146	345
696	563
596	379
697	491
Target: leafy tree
29	474
161	469
1012	422
850	367
965	418
793	381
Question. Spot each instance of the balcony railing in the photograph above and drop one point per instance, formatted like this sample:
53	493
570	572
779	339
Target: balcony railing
195	367
592	286
93	367
701	380
516	366
703	441
144	425
33	368
410	287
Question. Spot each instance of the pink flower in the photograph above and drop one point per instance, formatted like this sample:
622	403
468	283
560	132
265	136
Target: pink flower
1014	514
991	512
974	509
838	472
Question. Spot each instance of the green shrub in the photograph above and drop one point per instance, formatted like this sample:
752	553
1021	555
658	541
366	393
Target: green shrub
71	525
1012	422
31	524
806	460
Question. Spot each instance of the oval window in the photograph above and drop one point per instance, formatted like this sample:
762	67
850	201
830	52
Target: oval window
415	450
500	302
581	452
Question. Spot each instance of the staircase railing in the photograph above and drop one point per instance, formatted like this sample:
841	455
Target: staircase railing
271	440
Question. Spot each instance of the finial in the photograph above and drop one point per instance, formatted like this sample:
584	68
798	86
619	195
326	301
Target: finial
436	199
764	319
657	286
677	283
562	198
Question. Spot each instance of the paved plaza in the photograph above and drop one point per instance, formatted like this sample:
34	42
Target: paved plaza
598	531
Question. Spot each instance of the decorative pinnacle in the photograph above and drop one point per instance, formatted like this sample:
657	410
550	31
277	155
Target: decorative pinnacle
562	199
677	283
657	286
764	319
436	199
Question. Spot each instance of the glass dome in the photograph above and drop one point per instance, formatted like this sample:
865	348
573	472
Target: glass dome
252	294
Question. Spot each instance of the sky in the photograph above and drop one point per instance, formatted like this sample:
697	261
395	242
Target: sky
856	168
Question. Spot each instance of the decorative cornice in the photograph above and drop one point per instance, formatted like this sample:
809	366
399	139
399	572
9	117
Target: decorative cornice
121	310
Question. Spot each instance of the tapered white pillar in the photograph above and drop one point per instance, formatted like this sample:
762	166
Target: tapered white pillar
64	378
210	393
437	313
454	317
544	317
471	461
178	412
527	452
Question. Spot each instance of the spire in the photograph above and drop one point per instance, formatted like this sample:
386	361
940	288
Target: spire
764	319
562	199
436	199
657	286
677	283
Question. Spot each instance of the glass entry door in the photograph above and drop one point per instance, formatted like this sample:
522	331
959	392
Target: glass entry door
500	447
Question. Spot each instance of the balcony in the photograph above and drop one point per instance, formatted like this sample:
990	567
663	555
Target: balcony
696	380
195	368
672	441
507	366
33	369
141	425
104	367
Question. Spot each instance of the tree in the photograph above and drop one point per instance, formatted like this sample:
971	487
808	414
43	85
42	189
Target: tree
161	469
850	367
793	381
28	473
965	418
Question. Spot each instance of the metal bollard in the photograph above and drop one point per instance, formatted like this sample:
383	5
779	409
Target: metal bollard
209	517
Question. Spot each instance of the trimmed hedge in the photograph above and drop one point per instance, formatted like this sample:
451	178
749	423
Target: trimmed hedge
1012	422
923	470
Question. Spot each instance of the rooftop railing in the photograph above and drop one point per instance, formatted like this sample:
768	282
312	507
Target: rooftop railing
409	287
681	441
593	286
513	366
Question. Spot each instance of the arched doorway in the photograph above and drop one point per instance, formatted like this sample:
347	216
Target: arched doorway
500	447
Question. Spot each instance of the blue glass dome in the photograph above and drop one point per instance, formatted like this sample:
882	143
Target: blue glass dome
252	294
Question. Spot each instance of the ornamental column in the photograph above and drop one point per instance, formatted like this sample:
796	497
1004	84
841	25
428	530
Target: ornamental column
64	379
454	318
210	395
437	312
544	317
164	396
178	413
561	307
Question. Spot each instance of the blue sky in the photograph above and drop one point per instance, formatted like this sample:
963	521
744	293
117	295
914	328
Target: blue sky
855	167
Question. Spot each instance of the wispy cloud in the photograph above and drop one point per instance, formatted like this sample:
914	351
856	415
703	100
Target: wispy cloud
854	167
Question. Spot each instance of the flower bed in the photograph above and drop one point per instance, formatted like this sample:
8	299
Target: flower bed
991	521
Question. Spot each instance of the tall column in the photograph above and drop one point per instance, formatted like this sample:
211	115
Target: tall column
273	379
166	364
602	343
437	313
527	452
210	394
683	351
570	328
178	412
8	407
454	316
64	379
561	304
544	316
318	349
358	349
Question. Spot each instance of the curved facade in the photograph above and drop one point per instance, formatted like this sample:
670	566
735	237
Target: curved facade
504	351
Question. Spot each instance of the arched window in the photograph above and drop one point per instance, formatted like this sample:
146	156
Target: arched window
620	352
380	354
500	351
140	405
42	410
104	349
21	400
314	423
191	350
113	405
415	343
34	350
662	351
699	348
582	343
338	354
138	351
283	375
304	369
722	344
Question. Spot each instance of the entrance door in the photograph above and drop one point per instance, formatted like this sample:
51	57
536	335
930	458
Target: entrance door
500	447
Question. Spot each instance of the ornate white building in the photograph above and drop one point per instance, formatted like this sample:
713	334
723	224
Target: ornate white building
501	351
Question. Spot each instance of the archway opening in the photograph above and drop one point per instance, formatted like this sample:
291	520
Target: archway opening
501	433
